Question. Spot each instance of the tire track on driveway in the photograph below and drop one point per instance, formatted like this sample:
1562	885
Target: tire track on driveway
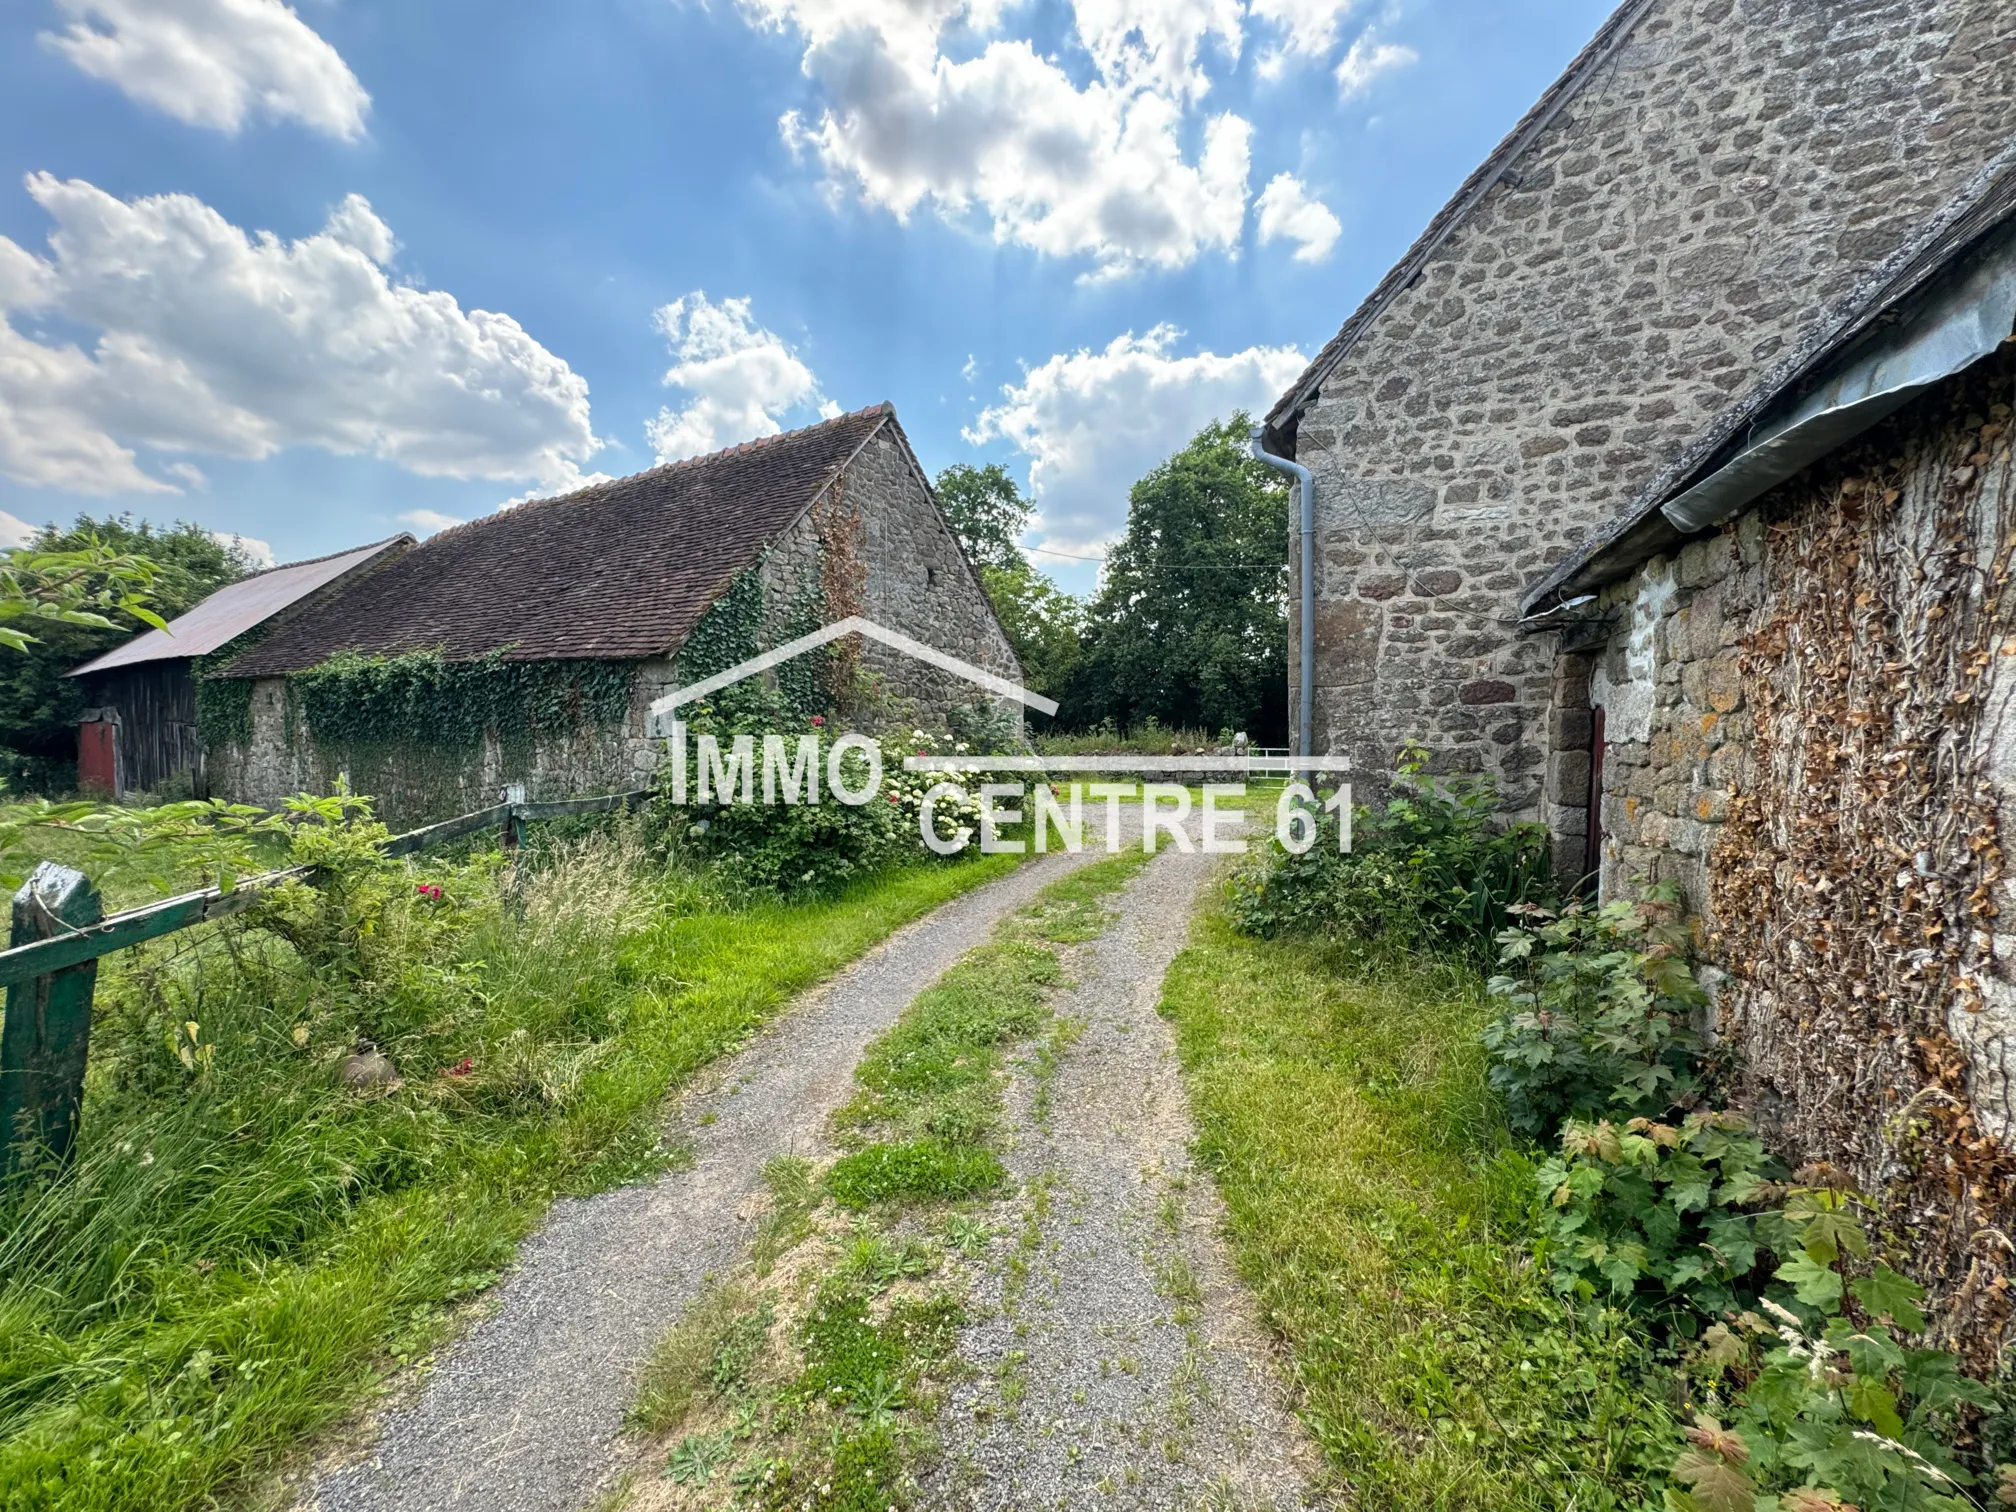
522	1412
1119	1362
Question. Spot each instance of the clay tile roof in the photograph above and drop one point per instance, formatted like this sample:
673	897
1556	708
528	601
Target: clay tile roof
617	570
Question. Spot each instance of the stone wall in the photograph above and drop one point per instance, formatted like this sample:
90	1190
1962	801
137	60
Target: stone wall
417	785
1808	729
917	580
1695	216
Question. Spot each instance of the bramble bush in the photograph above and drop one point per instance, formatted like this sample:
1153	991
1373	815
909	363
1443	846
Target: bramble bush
1827	1407
1434	868
1598	1017
1654	1213
1685	1222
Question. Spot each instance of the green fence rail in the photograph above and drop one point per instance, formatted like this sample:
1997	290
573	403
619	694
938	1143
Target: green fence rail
51	967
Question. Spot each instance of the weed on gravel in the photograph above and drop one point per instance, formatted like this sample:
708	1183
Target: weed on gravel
810	1381
1380	1214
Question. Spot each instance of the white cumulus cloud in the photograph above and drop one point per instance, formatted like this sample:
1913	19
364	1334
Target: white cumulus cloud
210	340
1157	44
215	62
15	532
1093	422
743	379
1286	210
1304	29
425	522
255	551
1367	61
1098	171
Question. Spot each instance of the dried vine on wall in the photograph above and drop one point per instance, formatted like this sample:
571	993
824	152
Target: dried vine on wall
1854	884
843	578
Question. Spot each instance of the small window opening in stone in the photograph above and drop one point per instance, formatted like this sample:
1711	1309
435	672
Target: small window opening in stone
930	577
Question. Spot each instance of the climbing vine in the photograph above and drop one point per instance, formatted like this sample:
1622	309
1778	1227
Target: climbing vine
224	704
1854	884
729	632
423	698
747	619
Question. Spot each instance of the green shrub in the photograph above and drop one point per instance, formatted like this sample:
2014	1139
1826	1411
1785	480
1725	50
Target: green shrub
797	849
1654	1212
1673	1218
1827	1406
1598	1015
1434	868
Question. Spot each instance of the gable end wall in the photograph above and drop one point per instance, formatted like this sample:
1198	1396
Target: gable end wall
1705	207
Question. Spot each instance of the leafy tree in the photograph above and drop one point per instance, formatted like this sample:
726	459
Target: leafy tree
986	511
181	565
41	588
1045	625
1190	625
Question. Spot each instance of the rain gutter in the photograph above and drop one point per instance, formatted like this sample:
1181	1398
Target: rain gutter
1305	677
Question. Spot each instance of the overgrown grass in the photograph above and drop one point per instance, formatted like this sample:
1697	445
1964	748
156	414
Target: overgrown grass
1381	1215
246	1246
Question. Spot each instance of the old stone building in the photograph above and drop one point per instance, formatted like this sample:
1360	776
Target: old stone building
529	645
1669	479
1799	671
1686	217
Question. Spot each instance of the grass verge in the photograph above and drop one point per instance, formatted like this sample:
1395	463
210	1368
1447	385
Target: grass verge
1381	1216
246	1247
809	1380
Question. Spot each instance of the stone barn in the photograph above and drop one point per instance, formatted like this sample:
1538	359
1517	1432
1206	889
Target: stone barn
527	646
1798	663
1667	478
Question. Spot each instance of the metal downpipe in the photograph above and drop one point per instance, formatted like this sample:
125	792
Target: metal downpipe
1305	675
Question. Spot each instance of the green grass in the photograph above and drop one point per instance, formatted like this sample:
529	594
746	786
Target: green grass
1381	1216
245	1249
931	1085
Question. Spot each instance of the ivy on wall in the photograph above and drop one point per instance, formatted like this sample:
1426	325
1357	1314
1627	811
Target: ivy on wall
411	729
744	621
424	699
223	704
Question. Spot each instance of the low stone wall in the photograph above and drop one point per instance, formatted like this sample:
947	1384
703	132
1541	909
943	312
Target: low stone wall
1806	728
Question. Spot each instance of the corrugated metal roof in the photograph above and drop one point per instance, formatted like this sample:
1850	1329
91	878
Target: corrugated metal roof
232	610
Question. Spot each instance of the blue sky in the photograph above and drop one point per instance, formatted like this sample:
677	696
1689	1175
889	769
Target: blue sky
1059	235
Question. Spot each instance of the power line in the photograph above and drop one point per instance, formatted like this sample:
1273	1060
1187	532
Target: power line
1158	567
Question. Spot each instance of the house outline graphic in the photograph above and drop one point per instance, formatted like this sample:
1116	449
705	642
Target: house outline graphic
662	709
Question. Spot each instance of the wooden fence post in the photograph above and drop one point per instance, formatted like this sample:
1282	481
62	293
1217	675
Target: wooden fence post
514	824
46	1035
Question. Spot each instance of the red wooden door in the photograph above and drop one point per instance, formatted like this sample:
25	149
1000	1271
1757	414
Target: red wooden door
98	756
1592	854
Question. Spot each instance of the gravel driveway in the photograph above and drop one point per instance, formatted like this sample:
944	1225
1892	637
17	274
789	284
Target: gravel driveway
520	1415
1119	1362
